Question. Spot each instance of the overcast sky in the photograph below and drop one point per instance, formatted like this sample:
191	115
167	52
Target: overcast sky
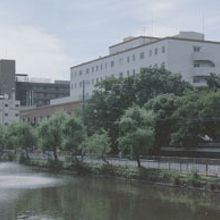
47	37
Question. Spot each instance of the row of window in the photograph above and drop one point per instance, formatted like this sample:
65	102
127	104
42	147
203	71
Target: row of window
120	61
120	75
16	115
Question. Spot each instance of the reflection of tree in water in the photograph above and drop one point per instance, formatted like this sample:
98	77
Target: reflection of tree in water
108	199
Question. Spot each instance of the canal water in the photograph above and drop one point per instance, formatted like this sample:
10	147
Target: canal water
25	194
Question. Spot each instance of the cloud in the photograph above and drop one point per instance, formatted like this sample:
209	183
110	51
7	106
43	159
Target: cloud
35	51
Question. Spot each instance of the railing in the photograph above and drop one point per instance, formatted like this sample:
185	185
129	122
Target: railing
205	166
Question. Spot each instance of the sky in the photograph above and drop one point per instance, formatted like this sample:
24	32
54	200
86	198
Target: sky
47	37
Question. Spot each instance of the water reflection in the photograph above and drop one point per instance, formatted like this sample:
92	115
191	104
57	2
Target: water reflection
107	199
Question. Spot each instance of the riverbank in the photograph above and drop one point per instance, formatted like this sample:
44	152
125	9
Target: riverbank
163	177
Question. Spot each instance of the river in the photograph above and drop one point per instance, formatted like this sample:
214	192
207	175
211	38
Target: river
30	195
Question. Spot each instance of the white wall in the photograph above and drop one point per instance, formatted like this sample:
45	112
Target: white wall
178	57
9	111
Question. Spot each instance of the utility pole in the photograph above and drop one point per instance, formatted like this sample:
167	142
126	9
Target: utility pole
83	104
83	116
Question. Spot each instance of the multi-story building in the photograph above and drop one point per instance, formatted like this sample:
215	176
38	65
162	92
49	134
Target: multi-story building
187	53
39	92
9	110
7	77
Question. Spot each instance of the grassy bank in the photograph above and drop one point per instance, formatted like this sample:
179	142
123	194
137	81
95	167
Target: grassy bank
154	176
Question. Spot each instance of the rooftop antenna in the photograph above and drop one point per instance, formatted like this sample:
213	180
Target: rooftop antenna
152	24
203	24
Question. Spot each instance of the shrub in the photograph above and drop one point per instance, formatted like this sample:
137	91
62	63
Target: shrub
54	165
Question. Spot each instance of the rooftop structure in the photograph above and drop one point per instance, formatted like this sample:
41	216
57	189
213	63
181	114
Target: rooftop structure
187	53
39	91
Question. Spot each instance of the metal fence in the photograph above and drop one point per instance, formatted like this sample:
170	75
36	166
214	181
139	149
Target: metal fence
209	167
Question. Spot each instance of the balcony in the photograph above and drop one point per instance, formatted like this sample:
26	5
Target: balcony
203	71
203	57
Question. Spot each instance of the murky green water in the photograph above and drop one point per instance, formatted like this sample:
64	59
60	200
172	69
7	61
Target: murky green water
28	195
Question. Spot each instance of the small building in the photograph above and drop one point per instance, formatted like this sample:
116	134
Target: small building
39	91
9	110
35	115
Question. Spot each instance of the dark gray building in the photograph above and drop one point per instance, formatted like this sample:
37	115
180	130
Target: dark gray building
7	77
39	92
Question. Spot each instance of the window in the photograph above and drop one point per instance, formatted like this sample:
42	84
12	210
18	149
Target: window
150	53
133	57
163	49
93	81
87	71
196	65
6	114
97	68
128	73
106	65
6	105
101	67
196	48
80	72
97	80
80	84
121	75
17	105
155	51
16	115
197	80
163	65
142	55
101	78
133	71
128	59
120	61
75	74
93	69
112	63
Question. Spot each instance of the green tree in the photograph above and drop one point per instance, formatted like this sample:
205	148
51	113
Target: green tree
136	131
26	137
113	96
51	133
2	139
198	113
163	107
74	135
99	144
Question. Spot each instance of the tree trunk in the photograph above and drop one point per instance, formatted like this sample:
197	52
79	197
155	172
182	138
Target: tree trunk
138	160
55	154
27	155
104	159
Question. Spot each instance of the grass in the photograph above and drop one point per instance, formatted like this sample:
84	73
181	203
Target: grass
157	176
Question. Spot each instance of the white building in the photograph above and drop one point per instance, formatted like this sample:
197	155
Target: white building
9	110
187	53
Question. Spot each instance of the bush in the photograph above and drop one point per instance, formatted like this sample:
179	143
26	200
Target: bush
80	167
23	159
195	179
54	165
7	157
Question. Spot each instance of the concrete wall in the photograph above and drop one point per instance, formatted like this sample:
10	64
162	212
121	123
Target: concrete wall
7	76
176	54
9	111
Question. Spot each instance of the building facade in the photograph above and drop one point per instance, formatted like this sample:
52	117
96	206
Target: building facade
39	92
9	110
7	77
187	53
36	115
